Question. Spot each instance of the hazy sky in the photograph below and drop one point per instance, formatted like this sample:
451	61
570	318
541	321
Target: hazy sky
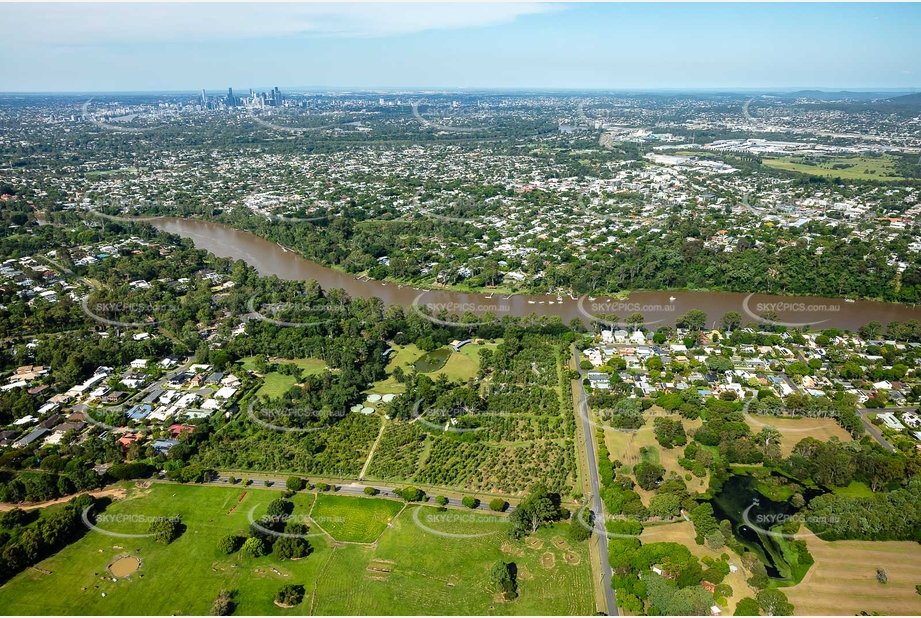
96	47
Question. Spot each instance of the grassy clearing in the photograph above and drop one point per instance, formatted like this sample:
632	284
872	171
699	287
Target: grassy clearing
410	570
852	168
183	577
626	446
308	365
855	490
354	520
792	430
843	579
276	384
461	365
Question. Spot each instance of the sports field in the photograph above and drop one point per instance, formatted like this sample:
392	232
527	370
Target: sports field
413	568
843	579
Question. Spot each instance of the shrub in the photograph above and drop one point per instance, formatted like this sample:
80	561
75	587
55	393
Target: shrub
289	595
470	502
229	543
579	532
295	483
253	547
498	504
503	576
223	605
165	530
412	494
291	547
370	491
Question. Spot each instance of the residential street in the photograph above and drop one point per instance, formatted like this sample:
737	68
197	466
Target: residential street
873	430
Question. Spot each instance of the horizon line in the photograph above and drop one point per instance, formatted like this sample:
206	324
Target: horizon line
461	89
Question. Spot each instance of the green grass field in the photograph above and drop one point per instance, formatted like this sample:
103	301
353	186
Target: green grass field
855	490
858	168
410	570
276	384
354	520
461	365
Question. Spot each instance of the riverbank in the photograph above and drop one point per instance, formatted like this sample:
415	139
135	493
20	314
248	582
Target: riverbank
659	308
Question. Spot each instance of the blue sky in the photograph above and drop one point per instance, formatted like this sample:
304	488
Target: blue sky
105	47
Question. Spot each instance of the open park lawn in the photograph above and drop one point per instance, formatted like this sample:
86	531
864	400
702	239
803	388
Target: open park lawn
354	520
843	579
411	569
276	384
792	430
849	168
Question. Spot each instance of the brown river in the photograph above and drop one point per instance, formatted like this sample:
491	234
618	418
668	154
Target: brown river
658	308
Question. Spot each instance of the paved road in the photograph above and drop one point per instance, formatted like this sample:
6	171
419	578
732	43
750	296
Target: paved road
597	505
354	488
873	430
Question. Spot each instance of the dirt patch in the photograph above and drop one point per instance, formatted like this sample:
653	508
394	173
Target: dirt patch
124	566
548	560
508	548
560	543
571	558
282	605
117	494
533	543
524	574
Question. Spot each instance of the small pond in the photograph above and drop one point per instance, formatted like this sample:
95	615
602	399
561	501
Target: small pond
739	501
433	361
